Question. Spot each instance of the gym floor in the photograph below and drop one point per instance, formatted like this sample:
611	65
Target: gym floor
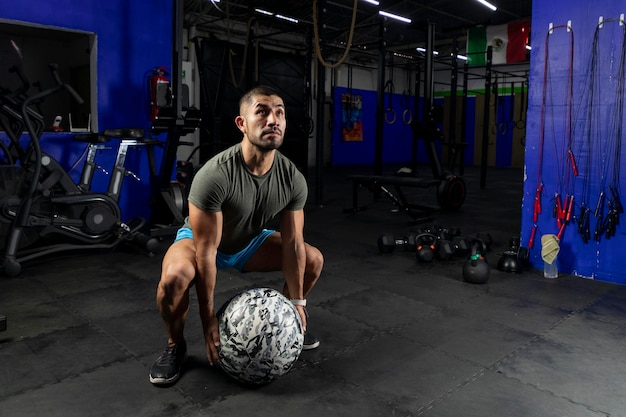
398	337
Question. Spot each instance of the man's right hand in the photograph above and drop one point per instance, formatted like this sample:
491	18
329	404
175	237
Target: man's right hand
212	340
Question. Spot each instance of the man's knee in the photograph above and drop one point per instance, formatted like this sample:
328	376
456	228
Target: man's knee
315	260
177	275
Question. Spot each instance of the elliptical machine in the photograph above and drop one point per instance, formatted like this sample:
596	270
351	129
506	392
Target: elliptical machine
42	210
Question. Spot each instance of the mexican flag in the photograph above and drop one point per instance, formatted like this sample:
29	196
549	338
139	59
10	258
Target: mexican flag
508	42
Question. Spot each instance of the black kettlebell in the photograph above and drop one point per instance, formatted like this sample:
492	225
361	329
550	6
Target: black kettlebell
476	268
425	249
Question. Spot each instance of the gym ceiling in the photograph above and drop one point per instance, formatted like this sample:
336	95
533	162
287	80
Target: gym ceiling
231	20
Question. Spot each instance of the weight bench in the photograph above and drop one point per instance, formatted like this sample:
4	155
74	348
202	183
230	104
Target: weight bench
377	184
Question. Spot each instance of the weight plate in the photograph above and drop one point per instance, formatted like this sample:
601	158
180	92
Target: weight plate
451	193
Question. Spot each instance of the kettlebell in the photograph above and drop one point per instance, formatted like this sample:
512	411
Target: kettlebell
476	268
425	249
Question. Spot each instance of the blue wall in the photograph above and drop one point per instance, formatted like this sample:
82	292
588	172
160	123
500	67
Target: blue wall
133	36
397	136
602	260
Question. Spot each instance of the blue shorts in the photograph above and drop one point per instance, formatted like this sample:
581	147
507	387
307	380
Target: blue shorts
236	260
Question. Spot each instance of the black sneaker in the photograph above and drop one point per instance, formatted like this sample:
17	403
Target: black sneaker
310	342
166	369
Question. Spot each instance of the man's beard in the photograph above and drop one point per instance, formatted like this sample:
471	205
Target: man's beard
267	146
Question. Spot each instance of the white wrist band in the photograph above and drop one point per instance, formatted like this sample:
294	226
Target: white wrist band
298	302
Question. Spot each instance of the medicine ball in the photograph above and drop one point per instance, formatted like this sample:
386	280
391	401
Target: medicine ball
261	336
476	268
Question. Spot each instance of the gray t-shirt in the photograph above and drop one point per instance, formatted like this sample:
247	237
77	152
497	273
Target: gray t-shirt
247	201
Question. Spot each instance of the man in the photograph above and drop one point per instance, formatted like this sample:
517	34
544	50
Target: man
231	198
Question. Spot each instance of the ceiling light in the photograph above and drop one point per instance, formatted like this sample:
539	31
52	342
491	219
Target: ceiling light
423	50
394	16
461	57
374	2
265	12
287	18
487	4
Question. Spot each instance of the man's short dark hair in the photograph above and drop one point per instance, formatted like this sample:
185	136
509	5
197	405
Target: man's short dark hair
261	90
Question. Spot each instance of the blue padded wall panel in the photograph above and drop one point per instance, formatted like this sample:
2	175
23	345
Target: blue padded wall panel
354	152
504	133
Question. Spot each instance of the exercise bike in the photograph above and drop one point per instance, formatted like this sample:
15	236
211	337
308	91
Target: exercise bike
42	210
